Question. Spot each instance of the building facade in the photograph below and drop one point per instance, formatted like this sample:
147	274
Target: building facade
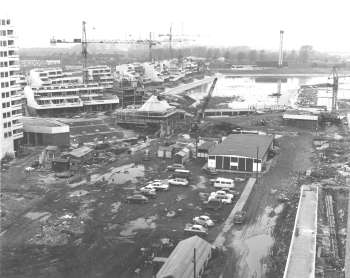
11	129
101	75
53	92
241	153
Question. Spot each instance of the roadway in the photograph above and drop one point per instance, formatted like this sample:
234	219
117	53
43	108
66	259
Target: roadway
182	88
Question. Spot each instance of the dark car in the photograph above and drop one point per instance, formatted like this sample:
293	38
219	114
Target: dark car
213	204
173	167
137	199
210	171
239	217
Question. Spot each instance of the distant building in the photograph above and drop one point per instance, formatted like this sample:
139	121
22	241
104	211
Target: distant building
40	131
11	129
241	153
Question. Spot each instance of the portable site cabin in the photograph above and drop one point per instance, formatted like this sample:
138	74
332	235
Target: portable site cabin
60	164
241	153
79	156
182	156
180	262
165	151
204	149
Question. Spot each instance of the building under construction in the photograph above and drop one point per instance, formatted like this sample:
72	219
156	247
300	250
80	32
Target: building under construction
154	112
129	92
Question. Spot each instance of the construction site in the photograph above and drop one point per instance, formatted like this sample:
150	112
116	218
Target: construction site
205	175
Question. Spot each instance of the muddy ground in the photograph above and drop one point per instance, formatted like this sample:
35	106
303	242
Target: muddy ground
85	229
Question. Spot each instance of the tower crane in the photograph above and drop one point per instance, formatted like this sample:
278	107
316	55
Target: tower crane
171	39
333	115
84	45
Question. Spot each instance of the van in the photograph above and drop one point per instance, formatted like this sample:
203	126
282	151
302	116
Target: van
182	173
224	183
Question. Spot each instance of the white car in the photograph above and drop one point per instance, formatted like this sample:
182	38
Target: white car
147	189
224	199
222	193
196	230
159	185
178	181
203	220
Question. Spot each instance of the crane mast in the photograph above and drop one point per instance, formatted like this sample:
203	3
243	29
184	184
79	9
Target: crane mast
84	53
280	56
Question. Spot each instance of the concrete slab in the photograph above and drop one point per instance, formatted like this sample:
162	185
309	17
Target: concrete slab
301	257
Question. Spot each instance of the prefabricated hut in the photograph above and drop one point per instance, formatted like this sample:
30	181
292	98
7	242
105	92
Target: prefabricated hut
239	153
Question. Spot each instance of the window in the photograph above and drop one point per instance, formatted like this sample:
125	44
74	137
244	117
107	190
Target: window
4	115
3	105
3	95
234	159
5	134
212	157
5	125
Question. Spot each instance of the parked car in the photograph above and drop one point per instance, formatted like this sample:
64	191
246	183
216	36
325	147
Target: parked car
137	199
223	198
203	220
224	183
213	204
235	193
173	167
239	217
210	171
151	194
159	185
282	197
182	174
147	189
178	181
196	230
222	193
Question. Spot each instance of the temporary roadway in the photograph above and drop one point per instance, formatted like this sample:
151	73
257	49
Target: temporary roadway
302	251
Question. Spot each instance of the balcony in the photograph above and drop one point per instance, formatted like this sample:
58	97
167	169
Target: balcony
16	116
17	135
16	97
17	126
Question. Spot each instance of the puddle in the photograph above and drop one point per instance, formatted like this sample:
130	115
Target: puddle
201	183
180	197
37	215
122	174
138	224
78	193
75	184
115	207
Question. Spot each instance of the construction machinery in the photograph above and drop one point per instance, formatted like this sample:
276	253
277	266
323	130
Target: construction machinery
84	45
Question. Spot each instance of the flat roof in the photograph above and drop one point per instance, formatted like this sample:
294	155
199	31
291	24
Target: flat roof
244	145
305	117
207	145
302	250
180	262
80	152
41	122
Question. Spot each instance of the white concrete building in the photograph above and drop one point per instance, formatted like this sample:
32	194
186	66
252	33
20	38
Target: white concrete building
53	91
11	129
102	75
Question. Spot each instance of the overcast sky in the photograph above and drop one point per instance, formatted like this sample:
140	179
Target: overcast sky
256	23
